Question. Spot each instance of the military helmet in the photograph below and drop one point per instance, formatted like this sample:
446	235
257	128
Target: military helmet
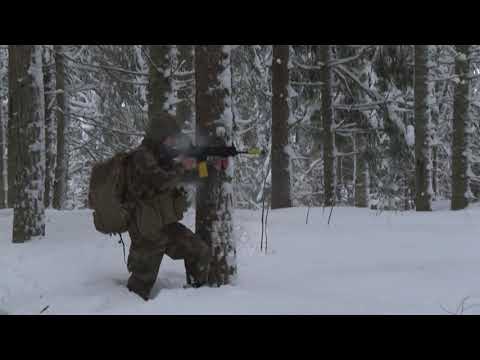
162	127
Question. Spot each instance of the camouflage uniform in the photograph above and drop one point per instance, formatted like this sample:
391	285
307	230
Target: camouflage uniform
156	204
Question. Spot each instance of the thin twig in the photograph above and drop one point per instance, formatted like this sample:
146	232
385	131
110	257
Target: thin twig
263	212
331	210
266	223
263	204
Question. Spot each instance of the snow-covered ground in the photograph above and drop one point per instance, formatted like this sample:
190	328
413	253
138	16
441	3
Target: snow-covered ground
362	263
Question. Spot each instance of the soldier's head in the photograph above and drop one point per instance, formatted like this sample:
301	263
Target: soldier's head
161	133
162	128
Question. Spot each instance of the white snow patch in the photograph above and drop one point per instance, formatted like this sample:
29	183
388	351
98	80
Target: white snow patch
410	135
363	263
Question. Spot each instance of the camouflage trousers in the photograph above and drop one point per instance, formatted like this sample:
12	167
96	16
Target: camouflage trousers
176	241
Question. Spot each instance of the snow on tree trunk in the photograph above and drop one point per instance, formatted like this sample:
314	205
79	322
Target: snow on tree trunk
61	168
50	131
214	200
280	116
29	208
423	130
3	162
461	122
161	96
184	107
328	126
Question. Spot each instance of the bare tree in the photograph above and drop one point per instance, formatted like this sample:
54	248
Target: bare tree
214	200
423	130
280	116
29	113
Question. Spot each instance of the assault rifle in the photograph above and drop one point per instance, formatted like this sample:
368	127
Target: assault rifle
201	153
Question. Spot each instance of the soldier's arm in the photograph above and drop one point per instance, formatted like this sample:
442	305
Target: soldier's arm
147	167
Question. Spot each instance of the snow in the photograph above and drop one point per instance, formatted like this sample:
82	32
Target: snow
461	56
365	262
410	135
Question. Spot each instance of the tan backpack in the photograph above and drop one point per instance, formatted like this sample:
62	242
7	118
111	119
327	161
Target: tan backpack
106	195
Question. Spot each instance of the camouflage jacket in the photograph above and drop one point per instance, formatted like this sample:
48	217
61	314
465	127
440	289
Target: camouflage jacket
148	175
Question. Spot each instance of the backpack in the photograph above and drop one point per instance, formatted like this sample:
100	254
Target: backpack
107	189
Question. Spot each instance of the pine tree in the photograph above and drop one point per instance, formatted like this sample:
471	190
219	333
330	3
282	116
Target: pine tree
361	173
3	126
328	126
29	113
280	197
50	132
360	122
12	134
3	158
251	101
62	116
214	201
423	137
461	122
393	172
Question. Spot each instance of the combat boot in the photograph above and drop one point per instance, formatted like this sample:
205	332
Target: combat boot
139	289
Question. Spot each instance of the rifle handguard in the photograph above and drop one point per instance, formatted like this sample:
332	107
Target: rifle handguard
202	169
254	151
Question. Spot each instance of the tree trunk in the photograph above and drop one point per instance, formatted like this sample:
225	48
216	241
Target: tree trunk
3	162
328	127
29	208
160	87
316	121
316	153
184	107
280	115
423	136
50	133
61	168
435	118
461	122
361	171
339	177
435	171
214	200
12	136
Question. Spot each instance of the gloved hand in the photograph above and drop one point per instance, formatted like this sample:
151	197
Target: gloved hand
221	164
189	163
